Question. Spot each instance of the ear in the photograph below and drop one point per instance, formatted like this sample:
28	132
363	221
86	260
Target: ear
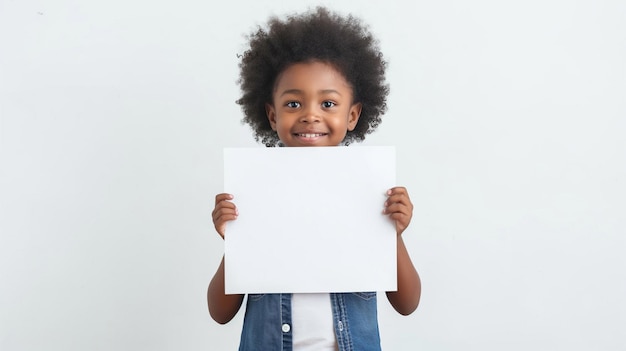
353	115
271	115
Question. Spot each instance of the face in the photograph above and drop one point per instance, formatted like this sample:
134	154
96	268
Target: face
312	106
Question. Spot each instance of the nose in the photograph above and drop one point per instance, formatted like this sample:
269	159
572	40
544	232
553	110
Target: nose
310	115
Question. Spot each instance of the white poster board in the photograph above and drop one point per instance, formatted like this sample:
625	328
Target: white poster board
310	220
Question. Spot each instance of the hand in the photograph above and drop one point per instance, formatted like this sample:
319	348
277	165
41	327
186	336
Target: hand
224	211
399	208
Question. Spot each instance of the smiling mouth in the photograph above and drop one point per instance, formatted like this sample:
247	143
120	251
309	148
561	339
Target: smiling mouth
310	135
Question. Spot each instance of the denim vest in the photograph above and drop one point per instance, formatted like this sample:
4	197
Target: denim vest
267	322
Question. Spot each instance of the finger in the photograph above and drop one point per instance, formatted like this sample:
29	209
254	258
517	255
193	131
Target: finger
221	211
221	220
224	205
399	200
222	197
398	208
400	216
397	190
397	194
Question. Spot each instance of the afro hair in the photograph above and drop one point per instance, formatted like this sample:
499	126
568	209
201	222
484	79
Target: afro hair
317	35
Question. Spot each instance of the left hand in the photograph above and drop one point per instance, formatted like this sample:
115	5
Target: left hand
399	208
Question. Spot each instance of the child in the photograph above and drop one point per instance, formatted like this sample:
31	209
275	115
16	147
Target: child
315	79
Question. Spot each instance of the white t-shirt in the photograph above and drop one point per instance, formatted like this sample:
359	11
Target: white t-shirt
312	322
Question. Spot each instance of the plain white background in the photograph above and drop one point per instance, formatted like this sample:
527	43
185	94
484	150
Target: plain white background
508	118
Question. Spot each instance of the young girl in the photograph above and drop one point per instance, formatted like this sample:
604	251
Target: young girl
314	79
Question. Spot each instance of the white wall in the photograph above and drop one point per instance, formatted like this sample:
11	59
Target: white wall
508	119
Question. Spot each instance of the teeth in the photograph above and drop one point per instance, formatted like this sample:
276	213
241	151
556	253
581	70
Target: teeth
309	135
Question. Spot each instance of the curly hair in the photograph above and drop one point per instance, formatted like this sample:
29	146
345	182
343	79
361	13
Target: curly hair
319	35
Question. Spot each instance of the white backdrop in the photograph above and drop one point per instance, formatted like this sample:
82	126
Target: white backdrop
508	118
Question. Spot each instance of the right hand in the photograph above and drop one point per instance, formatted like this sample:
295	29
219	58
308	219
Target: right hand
224	211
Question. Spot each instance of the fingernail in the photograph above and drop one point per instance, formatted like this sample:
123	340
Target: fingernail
389	192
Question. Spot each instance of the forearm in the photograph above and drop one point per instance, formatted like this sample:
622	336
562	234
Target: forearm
407	297
222	307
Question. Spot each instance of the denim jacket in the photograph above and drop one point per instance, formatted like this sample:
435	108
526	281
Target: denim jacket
267	322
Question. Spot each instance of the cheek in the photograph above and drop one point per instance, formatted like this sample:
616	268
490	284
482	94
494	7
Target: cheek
342	123
282	127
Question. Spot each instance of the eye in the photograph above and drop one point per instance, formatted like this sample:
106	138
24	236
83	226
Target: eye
293	104
328	104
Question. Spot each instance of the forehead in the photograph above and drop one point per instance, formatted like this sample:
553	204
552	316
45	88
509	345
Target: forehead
309	75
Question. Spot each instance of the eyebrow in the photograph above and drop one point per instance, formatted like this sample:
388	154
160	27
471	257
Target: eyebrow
300	92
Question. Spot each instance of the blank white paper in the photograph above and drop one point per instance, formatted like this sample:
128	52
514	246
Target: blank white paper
310	220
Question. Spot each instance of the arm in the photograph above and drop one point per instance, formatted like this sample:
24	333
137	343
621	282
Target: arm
222	307
405	300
